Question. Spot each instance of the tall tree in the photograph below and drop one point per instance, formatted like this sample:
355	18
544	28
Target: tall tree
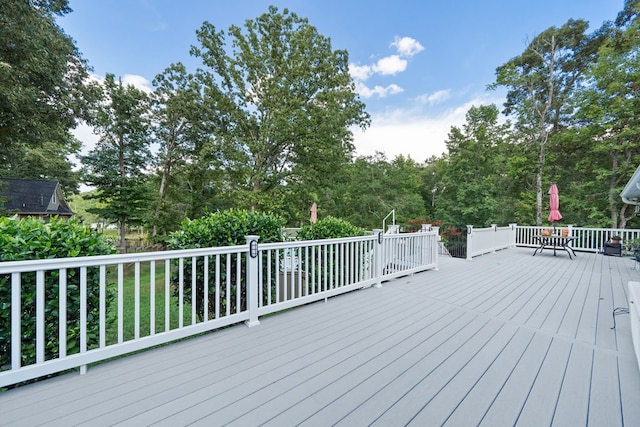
283	104
117	166
607	115
43	90
373	186
178	116
540	82
473	187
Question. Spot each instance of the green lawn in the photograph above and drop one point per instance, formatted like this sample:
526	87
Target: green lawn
145	306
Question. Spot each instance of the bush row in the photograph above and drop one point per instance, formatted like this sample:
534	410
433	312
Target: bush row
28	239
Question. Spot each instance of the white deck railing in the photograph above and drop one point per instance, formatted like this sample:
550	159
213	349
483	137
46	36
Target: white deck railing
133	302
585	239
486	240
481	241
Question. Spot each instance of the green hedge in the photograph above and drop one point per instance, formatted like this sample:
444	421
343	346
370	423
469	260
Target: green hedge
223	228
329	228
28	239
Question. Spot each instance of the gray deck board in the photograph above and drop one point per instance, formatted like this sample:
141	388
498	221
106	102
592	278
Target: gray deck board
542	400
505	339
505	409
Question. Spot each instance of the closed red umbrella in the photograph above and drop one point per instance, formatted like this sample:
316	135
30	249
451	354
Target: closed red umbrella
314	213
554	205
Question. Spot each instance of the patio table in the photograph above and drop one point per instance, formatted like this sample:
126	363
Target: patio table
555	242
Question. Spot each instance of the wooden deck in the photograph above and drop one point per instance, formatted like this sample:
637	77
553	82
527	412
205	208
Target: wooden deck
505	339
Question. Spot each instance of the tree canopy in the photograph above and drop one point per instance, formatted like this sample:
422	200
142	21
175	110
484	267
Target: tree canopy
43	92
265	122
282	104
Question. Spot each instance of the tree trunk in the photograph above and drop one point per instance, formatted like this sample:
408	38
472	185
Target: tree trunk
122	174
542	112
123	236
539	186
613	206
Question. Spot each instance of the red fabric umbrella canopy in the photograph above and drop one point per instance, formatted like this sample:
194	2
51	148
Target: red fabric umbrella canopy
554	204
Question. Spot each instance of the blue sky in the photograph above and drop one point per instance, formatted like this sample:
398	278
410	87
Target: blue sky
419	65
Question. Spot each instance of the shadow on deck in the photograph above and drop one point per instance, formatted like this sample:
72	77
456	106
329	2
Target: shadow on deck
501	340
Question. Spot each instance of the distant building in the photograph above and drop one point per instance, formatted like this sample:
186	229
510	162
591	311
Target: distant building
32	197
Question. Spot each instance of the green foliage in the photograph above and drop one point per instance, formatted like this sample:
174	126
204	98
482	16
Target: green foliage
370	187
181	129
43	91
116	166
329	228
31	238
610	127
282	105
472	187
631	244
223	228
226	228
540	83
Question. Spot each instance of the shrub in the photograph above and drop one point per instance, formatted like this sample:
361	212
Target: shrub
223	228
28	239
329	228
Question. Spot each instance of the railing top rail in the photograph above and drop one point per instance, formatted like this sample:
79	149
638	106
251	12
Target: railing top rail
8	267
98	260
405	235
318	242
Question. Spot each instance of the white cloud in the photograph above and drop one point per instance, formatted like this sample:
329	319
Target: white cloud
360	72
407	46
84	133
387	66
435	98
380	91
138	82
390	65
413	133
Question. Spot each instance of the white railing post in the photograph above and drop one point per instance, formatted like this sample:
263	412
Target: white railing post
377	252
252	280
493	241
436	243
512	240
469	242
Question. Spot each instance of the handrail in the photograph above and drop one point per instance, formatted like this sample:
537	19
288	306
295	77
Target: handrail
393	212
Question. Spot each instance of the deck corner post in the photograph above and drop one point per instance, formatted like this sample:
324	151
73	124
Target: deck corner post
435	247
377	261
469	242
495	229
514	237
252	280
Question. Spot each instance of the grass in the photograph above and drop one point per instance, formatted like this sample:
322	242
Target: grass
128	299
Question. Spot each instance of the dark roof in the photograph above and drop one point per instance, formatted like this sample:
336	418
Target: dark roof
31	196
